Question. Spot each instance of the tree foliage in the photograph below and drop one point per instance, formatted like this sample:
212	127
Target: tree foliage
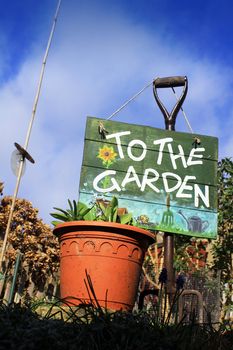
223	246
34	239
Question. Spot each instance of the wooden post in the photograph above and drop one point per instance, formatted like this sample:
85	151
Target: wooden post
168	261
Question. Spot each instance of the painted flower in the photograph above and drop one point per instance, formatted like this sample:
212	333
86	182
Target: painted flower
107	155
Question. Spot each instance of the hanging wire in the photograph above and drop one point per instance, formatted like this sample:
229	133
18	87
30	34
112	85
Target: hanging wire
184	114
131	99
140	92
29	133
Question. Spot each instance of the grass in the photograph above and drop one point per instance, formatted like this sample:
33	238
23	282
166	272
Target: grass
88	327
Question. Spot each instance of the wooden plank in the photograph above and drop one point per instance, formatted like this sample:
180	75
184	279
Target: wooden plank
149	135
105	155
115	185
157	217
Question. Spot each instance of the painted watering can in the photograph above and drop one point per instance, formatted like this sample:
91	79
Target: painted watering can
195	224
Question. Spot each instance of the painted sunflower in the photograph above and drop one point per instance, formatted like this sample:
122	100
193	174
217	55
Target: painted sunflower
107	155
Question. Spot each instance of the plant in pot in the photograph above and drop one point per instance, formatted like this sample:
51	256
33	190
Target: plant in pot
102	243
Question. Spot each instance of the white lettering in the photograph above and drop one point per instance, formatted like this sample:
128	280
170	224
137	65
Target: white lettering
198	193
192	154
99	177
162	143
176	156
131	144
149	178
184	187
165	182
118	140
128	179
148	182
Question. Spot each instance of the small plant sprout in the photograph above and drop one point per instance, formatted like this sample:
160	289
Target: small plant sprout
107	211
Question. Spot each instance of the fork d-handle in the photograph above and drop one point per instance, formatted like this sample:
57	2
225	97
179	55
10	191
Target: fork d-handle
170	82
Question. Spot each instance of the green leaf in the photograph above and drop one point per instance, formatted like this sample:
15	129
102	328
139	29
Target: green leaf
55	223
83	209
126	218
81	206
70	204
114	202
103	215
85	212
61	210
75	208
90	215
60	216
115	215
108	212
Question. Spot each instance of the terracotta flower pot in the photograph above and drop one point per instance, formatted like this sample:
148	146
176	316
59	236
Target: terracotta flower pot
112	254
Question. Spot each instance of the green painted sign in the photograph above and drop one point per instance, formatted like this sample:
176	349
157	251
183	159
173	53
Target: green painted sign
163	177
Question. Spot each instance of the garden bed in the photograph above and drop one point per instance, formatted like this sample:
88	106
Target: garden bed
57	327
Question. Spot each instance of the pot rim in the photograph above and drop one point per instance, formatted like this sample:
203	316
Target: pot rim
88	224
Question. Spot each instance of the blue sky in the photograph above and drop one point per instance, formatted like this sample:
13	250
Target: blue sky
103	52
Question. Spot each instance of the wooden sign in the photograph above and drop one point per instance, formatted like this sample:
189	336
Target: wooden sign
167	179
